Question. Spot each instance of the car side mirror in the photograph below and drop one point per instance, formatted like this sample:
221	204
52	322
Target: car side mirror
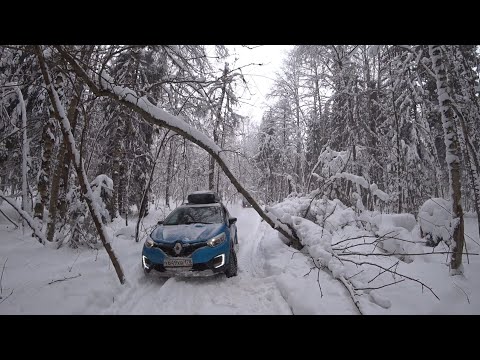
232	221
160	222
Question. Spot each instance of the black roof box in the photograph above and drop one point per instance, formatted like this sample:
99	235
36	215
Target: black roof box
203	197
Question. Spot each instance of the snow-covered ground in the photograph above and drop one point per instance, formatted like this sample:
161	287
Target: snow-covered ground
272	279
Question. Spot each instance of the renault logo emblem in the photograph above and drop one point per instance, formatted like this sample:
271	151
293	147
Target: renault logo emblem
177	248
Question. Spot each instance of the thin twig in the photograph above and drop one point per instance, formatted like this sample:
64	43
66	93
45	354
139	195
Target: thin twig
309	271
1	277
326	217
354	275
318	282
11	292
65	278
382	272
401	254
371	243
318	272
364	236
379	287
295	252
71	267
462	290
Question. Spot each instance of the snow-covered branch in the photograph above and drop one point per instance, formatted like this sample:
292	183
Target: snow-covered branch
36	228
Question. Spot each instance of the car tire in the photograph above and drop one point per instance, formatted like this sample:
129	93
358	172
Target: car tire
145	271
232	267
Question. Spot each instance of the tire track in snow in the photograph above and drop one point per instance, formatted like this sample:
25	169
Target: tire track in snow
249	239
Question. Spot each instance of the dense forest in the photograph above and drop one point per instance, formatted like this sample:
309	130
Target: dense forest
93	132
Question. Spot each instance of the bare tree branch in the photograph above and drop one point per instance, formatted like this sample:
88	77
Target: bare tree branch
388	270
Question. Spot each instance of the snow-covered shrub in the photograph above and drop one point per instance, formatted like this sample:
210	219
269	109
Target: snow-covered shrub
396	232
435	218
80	226
352	185
102	188
405	221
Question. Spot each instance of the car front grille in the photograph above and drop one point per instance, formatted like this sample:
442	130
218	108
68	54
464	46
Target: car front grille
187	248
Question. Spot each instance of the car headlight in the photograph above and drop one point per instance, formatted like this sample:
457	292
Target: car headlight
149	243
216	240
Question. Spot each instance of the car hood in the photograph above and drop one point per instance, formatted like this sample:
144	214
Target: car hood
186	233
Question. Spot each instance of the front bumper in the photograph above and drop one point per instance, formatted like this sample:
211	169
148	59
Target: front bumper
184	273
204	261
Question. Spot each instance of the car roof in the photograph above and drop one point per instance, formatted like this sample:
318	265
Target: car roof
201	205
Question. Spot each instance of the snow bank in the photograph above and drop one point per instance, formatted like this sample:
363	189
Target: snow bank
364	254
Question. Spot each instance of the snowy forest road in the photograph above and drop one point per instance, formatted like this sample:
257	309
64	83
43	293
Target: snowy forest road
251	292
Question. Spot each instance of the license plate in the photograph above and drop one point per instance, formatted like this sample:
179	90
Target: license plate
178	262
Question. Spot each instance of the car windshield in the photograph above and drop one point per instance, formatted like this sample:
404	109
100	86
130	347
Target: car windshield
195	215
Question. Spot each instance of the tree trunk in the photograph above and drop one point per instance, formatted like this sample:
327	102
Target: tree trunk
169	170
48	139
472	163
59	113
399	155
24	151
453	156
218	119
64	165
144	200
55	189
113	206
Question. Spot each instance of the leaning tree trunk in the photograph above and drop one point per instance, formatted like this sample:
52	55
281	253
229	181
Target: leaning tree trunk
453	156
59	113
159	117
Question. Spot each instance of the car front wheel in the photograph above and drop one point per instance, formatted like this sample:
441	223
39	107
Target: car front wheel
232	267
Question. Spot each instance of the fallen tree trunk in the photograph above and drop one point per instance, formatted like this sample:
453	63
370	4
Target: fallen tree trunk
157	116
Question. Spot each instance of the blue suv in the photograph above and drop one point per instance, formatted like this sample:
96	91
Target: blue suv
197	238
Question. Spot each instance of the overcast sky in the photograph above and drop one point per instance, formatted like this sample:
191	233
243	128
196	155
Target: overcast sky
259	78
